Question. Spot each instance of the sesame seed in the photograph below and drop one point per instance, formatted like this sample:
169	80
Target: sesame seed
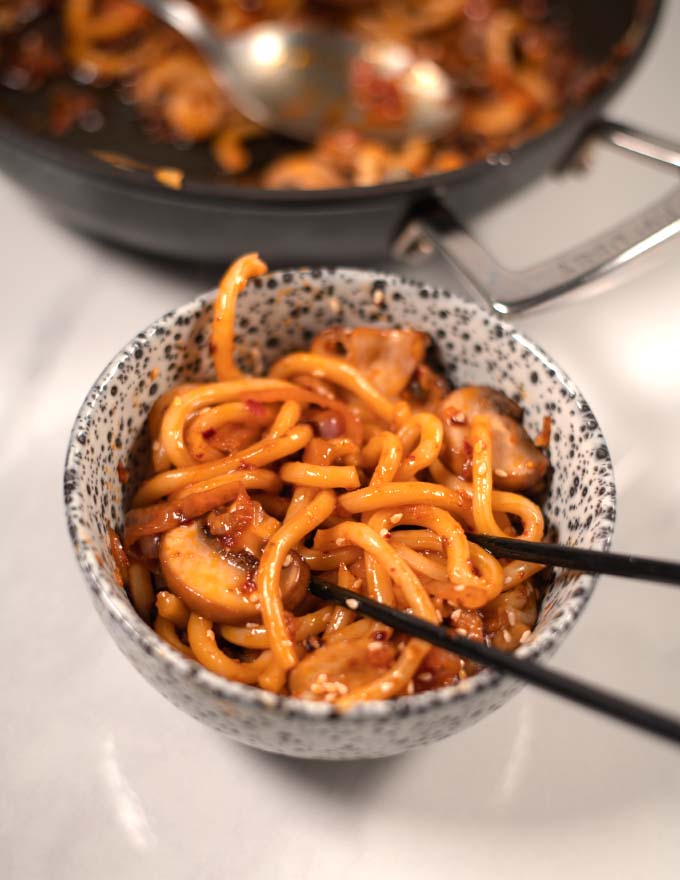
341	542
396	518
456	614
375	646
512	618
526	635
211	635
410	688
386	686
334	305
378	297
352	603
481	470
287	643
384	533
500	472
506	636
424	676
461	631
507	579
459	588
356	585
287	561
330	690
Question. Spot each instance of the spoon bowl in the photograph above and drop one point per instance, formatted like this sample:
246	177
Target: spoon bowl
299	80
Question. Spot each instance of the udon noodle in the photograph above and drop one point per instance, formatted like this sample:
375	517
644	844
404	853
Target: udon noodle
513	65
353	462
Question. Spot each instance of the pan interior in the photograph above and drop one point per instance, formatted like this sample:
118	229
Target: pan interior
594	29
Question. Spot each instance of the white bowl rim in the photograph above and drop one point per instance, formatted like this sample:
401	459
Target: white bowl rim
122	612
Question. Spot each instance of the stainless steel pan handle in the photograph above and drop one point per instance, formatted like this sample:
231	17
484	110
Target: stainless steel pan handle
509	292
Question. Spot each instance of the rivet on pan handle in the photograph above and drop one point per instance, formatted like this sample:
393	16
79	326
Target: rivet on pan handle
508	292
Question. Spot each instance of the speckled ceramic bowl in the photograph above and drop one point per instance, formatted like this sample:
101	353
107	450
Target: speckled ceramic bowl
275	314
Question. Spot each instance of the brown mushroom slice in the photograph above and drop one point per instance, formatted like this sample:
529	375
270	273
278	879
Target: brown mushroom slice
301	171
335	669
218	584
517	463
388	358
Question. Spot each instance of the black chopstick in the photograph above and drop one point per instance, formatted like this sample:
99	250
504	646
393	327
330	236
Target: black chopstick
555	682
563	556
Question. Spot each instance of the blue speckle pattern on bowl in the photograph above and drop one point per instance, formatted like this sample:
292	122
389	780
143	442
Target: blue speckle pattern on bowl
276	314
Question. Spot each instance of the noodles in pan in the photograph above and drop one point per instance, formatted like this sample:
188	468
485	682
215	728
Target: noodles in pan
354	462
513	65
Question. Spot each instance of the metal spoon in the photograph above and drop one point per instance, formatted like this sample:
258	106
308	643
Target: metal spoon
299	79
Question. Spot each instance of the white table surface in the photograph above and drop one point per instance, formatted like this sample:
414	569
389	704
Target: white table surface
100	777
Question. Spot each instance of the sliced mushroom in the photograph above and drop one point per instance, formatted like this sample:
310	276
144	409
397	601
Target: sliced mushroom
337	668
426	389
218	584
301	171
388	358
517	463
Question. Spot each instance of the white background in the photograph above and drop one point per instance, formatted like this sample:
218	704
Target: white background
101	778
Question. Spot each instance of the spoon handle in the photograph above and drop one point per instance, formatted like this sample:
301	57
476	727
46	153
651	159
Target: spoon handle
187	20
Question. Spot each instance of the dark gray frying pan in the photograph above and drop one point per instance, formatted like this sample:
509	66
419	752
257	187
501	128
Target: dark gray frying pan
209	220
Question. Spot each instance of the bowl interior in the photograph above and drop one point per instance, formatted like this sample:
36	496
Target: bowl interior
281	312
